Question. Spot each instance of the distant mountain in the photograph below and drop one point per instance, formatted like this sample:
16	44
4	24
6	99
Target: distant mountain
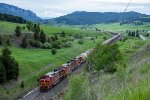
82	17
13	10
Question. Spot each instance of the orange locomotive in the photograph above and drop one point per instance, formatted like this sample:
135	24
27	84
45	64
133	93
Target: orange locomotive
50	79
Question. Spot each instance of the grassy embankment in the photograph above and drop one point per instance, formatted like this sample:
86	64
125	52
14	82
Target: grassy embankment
32	62
130	83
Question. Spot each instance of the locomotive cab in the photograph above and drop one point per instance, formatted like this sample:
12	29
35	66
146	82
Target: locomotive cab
45	83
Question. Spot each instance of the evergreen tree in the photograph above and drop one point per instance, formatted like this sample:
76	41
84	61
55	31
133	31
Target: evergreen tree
56	37
18	31
2	73
24	42
29	25
38	27
53	51
129	33
63	34
8	42
10	64
0	40
42	37
22	84
137	34
36	36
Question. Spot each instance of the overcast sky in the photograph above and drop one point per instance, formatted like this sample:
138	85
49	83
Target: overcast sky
55	8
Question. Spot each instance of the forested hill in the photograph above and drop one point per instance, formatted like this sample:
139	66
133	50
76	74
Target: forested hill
16	11
11	18
82	18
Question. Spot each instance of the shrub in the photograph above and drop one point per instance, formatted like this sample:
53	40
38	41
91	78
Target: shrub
78	36
53	51
46	46
22	84
24	42
105	57
63	34
92	39
56	44
80	41
18	31
38	44
8	42
67	44
0	40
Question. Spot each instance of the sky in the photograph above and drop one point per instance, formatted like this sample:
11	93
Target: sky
56	8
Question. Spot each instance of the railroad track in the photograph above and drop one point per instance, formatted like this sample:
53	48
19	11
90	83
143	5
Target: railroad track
35	94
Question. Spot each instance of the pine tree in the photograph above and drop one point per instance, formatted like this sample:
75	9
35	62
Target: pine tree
22	84
63	34
24	42
2	73
18	31
53	51
42	37
8	42
1	40
36	36
29	25
56	37
10	64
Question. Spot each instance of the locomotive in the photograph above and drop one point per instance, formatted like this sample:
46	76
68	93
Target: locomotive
47	81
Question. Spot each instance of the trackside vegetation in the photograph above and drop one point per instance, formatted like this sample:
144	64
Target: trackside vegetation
101	54
130	80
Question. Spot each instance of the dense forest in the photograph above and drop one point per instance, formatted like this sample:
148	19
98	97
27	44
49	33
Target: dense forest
83	18
11	18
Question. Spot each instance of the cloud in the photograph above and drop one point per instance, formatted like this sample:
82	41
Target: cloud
56	8
51	14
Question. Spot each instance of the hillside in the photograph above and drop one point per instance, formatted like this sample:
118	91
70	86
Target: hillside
84	18
16	11
11	18
34	62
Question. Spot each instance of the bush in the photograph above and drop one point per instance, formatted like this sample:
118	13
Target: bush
53	51
80	41
38	44
56	44
105	57
8	42
78	36
22	84
67	44
46	46
92	39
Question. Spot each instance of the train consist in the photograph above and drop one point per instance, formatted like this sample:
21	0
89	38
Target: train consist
47	81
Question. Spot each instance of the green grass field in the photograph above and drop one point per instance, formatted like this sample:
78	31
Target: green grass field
33	62
117	28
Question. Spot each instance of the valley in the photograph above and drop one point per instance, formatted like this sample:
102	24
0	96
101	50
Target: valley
91	55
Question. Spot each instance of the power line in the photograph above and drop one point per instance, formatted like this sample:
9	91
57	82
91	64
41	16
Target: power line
127	6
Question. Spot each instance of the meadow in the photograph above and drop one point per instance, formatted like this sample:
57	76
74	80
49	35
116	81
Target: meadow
35	62
115	27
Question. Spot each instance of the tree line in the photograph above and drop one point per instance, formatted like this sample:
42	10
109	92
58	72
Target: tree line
11	18
133	33
9	67
39	39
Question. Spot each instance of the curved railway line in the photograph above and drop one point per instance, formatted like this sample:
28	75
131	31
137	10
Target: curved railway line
61	86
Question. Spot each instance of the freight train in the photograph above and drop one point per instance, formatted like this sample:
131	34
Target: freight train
47	81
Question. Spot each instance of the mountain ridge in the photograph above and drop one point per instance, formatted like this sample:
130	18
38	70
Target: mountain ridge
16	11
83	17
